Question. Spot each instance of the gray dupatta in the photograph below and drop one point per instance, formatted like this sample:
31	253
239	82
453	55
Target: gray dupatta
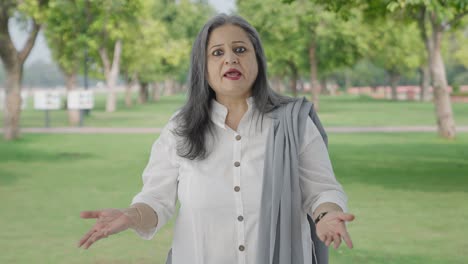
280	234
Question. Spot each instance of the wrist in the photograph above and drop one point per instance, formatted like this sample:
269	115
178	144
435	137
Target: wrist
319	217
133	214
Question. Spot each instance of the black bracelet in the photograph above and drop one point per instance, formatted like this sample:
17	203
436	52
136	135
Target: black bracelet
320	216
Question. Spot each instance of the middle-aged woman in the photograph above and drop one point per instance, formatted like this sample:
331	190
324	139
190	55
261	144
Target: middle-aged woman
249	167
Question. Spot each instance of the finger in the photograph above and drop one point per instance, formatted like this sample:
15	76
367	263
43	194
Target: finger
86	236
346	217
347	239
328	240
322	238
95	237
336	241
90	214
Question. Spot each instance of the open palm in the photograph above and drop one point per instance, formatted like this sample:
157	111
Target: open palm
332	228
108	222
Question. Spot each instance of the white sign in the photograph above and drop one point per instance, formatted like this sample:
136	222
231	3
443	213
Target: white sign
24	100
46	100
83	99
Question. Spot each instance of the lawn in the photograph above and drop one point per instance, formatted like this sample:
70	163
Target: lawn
407	190
342	110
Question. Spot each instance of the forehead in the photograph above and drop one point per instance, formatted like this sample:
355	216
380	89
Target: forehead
227	34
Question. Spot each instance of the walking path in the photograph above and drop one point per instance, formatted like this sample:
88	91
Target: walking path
146	130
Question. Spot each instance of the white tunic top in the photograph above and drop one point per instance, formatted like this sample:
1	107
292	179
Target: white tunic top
220	196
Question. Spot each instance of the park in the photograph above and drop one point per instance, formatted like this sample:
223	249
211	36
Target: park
396	117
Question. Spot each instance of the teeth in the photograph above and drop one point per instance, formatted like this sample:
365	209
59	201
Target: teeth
232	74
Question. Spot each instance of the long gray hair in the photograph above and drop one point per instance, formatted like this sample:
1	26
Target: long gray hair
193	120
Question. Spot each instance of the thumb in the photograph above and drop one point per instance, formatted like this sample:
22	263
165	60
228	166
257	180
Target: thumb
90	214
346	217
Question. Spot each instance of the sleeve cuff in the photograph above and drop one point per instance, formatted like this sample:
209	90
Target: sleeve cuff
163	218
332	196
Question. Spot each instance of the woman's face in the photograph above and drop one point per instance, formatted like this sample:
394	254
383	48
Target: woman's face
231	62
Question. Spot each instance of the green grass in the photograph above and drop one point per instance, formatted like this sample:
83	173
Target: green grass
408	192
334	111
365	111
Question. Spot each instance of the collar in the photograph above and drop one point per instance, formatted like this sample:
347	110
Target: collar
219	112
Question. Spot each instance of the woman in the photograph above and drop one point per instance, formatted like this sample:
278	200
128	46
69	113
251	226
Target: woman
211	156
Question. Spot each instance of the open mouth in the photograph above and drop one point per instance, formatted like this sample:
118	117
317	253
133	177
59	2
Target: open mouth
233	74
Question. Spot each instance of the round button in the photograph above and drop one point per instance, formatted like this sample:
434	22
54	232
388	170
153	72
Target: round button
237	188
238	137
240	218
237	164
241	248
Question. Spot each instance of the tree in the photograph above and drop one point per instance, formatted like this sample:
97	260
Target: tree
64	31
396	48
109	24
159	49
306	38
281	36
32	12
435	17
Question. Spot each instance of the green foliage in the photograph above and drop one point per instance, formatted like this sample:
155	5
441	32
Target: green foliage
34	9
66	33
159	47
287	31
396	47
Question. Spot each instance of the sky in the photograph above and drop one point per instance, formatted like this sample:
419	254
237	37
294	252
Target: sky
42	52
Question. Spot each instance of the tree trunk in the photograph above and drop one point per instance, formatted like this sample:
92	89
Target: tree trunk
169	86
144	93
128	94
347	79
293	78
156	92
425	71
394	80
73	114
424	82
275	84
314	82
443	105
12	111
111	72
128	90
13	61
323	86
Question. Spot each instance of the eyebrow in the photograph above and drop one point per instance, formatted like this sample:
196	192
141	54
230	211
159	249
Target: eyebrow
218	45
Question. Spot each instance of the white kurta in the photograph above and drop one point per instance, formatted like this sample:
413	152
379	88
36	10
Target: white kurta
220	196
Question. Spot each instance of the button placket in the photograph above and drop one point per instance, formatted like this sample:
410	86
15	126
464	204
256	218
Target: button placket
237	167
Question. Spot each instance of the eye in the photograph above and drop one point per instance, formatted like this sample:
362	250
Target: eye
240	50
217	52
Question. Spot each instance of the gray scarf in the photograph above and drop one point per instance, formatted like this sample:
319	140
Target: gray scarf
280	239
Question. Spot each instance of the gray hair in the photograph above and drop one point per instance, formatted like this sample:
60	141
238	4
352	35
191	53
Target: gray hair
193	120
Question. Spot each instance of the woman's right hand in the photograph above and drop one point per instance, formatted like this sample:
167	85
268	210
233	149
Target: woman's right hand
108	222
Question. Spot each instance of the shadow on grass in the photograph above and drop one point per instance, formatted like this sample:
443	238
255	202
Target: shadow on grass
358	256
410	166
22	153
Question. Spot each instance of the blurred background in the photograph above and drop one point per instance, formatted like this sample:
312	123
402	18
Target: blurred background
86	86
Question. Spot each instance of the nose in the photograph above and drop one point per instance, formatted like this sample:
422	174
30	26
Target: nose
231	57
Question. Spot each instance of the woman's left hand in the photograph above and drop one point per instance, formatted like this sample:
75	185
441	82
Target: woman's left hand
332	228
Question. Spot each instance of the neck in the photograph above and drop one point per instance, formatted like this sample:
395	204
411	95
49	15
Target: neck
237	107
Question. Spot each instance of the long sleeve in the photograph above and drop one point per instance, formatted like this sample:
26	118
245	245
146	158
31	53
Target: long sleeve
316	176
160	181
